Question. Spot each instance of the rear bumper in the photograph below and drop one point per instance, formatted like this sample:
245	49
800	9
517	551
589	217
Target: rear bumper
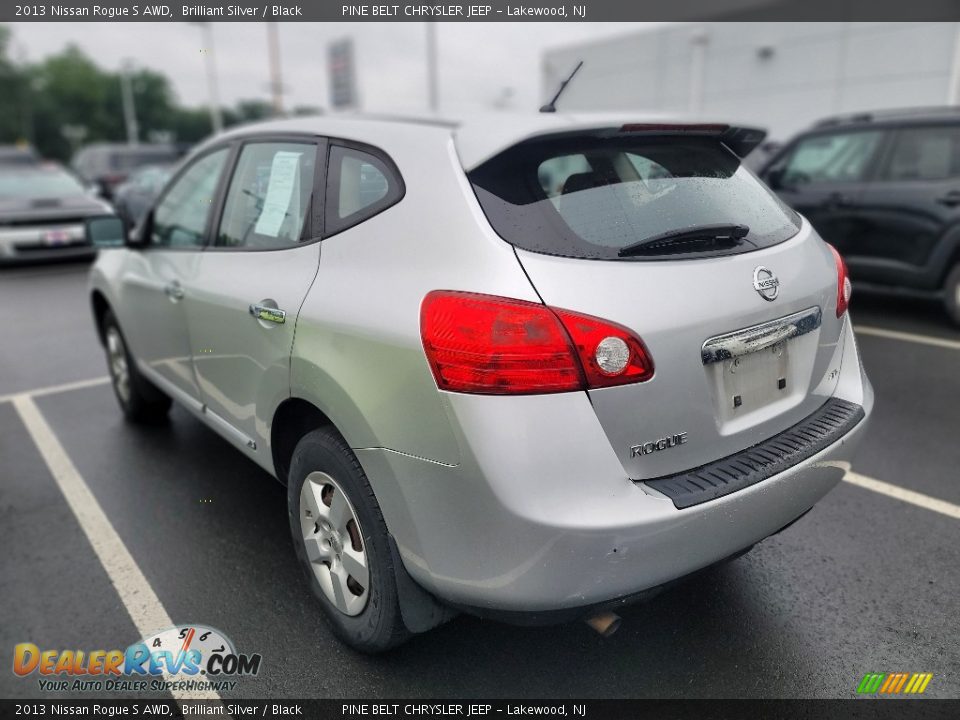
772	457
78	252
540	518
27	243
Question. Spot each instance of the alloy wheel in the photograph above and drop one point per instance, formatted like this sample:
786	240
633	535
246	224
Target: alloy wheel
119	370
334	543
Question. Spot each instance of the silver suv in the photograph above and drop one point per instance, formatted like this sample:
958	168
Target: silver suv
530	368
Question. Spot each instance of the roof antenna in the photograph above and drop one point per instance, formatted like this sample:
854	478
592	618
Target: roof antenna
551	106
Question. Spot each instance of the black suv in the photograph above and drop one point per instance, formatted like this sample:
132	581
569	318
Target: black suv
884	189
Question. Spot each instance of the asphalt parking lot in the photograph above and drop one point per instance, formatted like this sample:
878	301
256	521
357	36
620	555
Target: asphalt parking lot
868	581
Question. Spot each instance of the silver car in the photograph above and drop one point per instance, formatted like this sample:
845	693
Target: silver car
530	368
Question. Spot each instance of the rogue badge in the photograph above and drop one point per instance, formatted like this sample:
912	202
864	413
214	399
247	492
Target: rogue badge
664	443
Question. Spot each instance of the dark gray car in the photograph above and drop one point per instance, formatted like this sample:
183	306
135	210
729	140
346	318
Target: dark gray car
107	165
43	209
18	155
133	198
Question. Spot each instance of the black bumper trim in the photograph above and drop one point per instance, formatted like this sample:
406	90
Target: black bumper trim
748	467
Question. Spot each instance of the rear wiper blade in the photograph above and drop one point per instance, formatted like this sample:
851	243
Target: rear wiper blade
724	232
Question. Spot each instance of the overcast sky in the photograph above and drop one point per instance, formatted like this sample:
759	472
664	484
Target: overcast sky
477	61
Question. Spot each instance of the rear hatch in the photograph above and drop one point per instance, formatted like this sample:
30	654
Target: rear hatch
662	230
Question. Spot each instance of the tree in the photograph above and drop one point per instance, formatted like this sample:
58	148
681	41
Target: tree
72	90
13	87
45	102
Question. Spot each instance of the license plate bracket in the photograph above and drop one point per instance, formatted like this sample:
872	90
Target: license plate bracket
751	369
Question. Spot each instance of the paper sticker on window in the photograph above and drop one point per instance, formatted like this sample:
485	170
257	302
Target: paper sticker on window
284	178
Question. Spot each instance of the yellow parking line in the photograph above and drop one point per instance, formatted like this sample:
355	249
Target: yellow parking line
907	337
908	496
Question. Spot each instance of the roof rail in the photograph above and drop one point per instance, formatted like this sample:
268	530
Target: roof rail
435	120
891	114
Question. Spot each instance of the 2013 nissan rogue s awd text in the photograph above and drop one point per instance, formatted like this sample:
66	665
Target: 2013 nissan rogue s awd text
525	367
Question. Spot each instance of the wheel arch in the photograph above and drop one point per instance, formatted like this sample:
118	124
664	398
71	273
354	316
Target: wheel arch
945	256
293	419
100	306
952	262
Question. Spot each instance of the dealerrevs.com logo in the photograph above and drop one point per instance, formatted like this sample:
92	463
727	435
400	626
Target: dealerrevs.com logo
185	657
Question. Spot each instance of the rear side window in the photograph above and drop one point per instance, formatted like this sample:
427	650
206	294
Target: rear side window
360	184
269	196
831	158
930	153
591	197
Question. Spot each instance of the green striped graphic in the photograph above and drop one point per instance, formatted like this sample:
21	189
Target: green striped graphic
871	683
894	683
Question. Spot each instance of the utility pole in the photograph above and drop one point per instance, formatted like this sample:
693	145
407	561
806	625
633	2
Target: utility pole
433	99
276	80
216	119
27	88
698	59
953	90
129	109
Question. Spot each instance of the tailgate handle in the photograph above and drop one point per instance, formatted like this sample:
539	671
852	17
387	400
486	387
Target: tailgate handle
760	337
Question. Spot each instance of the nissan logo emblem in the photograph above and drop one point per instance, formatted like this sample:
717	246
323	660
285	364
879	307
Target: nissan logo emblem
766	283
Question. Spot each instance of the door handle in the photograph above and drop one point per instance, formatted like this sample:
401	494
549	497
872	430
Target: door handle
173	290
268	314
950	199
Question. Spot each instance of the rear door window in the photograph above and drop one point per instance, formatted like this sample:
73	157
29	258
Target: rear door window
925	154
269	196
591	197
839	158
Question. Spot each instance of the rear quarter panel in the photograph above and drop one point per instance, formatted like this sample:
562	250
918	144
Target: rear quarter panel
358	355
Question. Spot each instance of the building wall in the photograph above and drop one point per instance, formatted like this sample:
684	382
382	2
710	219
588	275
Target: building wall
782	76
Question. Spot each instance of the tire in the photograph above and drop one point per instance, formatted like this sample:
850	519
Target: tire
951	294
140	400
363	612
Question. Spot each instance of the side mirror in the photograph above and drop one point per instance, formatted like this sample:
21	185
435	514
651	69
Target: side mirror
139	235
775	178
106	232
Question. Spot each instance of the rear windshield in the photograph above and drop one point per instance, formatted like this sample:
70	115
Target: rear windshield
38	182
591	197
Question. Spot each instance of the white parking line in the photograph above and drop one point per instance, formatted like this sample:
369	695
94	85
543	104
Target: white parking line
904	495
52	389
907	337
141	602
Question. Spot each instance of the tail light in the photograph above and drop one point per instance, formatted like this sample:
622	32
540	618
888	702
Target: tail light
499	346
844	288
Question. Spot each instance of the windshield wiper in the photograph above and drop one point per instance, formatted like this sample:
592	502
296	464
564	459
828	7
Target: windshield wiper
725	233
